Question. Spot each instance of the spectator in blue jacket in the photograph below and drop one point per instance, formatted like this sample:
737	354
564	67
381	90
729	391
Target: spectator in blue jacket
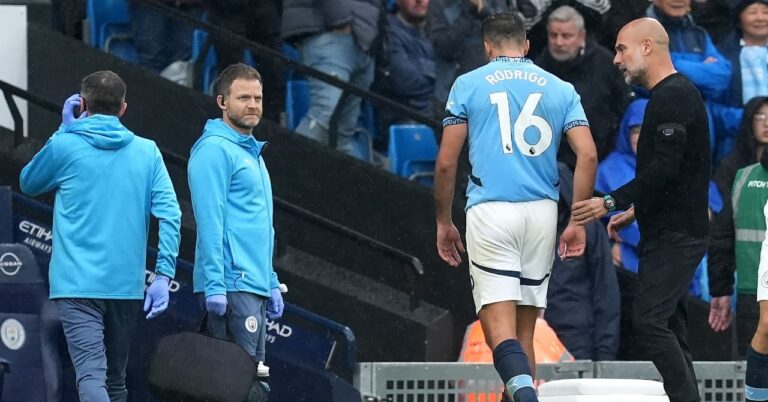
335	37
748	43
107	182
411	57
232	201
693	53
618	169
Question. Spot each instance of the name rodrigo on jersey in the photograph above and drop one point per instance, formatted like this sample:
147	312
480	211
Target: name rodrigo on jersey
508	74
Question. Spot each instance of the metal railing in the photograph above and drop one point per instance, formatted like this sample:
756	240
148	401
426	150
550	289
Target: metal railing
334	329
417	268
718	381
261	50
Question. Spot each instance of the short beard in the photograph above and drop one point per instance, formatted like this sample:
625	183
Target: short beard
240	124
638	77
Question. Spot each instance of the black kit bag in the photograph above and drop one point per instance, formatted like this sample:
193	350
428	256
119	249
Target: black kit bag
194	367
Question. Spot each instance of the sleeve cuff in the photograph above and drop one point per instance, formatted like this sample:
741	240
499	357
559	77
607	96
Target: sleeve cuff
273	281
621	202
164	270
575	123
453	120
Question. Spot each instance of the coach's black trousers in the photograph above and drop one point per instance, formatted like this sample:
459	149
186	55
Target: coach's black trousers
668	261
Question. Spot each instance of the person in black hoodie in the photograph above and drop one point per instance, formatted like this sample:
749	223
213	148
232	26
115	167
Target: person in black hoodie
583	300
589	68
750	143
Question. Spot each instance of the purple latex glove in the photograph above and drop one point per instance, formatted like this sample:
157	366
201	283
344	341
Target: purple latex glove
157	296
275	305
216	304
68	111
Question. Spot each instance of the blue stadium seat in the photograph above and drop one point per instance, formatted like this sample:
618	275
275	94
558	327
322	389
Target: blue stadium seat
109	28
296	101
291	52
412	152
201	47
297	105
23	292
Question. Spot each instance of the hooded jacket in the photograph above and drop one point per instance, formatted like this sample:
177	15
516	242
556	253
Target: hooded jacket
232	201
302	18
107	182
689	46
617	169
604	94
722	257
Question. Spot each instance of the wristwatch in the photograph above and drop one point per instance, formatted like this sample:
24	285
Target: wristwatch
609	203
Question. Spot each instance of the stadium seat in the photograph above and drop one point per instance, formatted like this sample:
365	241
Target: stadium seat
201	48
22	294
291	52
109	28
296	101
297	105
367	119
412	152
5	367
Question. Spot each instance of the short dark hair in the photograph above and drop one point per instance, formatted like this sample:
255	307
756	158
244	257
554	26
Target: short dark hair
503	27
233	72
104	93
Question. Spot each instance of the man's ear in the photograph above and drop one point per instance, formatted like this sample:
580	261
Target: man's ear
647	45
487	48
122	109
221	102
526	47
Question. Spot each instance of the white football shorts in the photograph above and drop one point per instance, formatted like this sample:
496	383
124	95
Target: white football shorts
511	248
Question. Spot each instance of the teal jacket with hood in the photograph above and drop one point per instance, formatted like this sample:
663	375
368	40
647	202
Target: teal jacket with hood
107	182
232	202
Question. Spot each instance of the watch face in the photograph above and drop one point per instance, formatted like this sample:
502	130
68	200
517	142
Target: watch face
610	203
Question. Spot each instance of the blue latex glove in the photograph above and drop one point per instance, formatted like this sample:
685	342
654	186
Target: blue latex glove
275	305
216	304
68	111
157	296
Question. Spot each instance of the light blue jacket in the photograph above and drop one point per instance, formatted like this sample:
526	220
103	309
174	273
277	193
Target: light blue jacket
232	201
107	182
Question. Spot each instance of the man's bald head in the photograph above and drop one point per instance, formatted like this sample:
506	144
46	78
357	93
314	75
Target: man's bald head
645	28
641	45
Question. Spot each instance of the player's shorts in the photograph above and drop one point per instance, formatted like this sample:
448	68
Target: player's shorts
762	282
511	247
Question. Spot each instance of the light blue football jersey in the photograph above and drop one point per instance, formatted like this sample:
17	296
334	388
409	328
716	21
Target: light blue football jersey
516	115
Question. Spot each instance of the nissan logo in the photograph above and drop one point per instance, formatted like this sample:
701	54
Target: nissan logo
10	264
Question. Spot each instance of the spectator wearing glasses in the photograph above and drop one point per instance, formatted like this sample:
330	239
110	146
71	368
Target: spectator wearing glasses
745	48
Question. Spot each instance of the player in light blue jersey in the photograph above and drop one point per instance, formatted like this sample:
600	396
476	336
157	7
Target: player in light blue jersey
514	114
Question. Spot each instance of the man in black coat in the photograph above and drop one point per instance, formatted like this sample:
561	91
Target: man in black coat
589	67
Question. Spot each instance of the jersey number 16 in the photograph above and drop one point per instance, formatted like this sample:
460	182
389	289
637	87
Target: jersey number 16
524	120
